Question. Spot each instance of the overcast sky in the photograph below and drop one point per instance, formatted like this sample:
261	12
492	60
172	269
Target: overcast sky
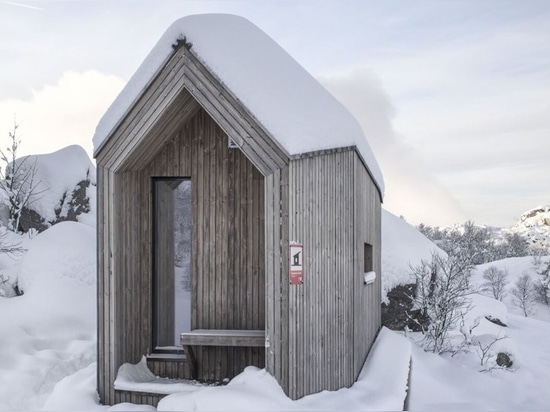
453	96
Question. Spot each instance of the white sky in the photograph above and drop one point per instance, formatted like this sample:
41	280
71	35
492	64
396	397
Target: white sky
454	96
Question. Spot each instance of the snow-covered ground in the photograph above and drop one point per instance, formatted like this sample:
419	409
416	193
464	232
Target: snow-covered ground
455	383
48	342
381	385
460	381
515	268
50	331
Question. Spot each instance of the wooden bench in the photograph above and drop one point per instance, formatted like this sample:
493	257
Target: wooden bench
218	337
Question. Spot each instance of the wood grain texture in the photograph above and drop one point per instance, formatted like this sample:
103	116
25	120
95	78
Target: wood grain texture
367	298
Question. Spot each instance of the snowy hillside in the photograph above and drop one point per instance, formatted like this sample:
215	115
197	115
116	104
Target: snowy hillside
514	268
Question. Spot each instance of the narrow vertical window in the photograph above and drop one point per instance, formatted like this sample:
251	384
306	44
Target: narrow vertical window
368	269
367	266
172	261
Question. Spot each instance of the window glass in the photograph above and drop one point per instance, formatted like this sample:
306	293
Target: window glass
172	249
367	265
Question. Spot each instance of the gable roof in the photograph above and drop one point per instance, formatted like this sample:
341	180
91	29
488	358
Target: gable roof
283	97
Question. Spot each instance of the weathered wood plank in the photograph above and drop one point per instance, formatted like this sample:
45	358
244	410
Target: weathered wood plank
223	337
293	309
144	250
282	267
270	293
114	315
102	337
158	95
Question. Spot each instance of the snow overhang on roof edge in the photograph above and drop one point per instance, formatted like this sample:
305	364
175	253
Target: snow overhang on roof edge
310	120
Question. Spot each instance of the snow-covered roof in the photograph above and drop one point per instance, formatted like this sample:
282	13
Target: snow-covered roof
298	112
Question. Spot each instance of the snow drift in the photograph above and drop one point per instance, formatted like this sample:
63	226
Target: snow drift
403	246
49	332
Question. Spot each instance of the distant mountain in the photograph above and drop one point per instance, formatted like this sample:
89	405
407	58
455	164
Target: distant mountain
533	226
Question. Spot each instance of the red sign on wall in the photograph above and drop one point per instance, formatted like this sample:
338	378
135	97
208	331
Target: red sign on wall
296	264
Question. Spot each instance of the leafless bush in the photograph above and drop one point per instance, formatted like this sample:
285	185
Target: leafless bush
524	295
18	180
442	287
485	351
495	281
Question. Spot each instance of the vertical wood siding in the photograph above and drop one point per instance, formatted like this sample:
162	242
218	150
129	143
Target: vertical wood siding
332	317
277	265
228	233
367	298
108	306
228	254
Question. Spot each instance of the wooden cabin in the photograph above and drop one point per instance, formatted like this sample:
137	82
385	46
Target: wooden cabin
238	218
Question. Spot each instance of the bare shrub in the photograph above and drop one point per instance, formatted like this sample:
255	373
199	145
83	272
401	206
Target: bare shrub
524	294
495	282
442	287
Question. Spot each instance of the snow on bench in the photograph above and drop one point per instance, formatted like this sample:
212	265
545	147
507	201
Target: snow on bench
139	378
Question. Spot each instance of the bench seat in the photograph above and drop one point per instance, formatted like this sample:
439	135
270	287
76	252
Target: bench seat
218	337
223	337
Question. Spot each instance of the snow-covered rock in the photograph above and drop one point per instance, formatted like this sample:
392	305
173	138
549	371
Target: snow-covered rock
538	216
63	187
486	307
534	225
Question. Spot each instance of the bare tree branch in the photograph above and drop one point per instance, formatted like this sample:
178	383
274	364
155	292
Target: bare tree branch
18	181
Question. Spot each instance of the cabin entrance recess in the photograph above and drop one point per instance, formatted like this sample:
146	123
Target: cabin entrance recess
207	231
